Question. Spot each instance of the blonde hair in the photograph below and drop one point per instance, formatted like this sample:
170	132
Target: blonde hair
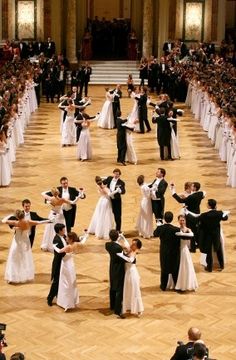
54	191
20	214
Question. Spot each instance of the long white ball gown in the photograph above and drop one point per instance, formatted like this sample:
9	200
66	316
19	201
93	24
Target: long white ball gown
20	265
68	136
68	296
84	148
106	117
144	222
132	299
102	219
187	279
57	215
133	116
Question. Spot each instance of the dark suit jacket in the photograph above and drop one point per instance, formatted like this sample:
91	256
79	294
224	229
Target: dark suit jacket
209	230
163	130
183	352
117	268
161	191
169	247
85	74
121	184
192	202
56	264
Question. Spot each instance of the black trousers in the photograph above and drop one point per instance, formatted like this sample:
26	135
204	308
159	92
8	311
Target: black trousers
162	152
157	209
116	209
143	121
54	286
116	297
164	279
220	258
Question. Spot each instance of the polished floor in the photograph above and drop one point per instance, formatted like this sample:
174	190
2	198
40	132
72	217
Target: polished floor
89	332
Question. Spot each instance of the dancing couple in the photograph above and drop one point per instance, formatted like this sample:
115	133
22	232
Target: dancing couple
110	190
125	295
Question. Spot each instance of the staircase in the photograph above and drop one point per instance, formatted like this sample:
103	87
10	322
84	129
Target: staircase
114	72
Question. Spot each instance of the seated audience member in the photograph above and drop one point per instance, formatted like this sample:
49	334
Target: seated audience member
184	351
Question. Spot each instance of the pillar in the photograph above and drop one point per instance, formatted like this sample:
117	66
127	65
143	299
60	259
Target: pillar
163	31
147	28
221	20
71	32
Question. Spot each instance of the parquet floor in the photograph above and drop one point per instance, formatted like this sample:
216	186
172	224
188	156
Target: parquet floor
88	332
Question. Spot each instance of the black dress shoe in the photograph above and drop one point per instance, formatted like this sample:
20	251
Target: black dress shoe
49	302
123	162
121	316
207	269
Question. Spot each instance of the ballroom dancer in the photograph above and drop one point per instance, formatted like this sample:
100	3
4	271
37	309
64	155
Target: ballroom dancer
102	219
131	156
169	250
113	183
142	110
29	215
68	126
121	138
174	142
210	233
20	265
56	214
84	147
117	95
187	279
163	133
133	117
60	242
106	117
132	299
158	188
116	273
68	295
69	193
192	203
144	221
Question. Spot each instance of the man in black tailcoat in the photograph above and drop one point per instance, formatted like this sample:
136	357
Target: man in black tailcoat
209	234
85	74
29	215
116	273
169	249
158	189
163	132
121	139
117	95
114	182
60	242
192	203
142	110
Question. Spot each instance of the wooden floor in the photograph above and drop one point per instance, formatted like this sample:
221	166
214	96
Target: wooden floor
43	332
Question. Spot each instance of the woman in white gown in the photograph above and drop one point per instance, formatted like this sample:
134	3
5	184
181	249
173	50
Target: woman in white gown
106	117
133	116
132	299
84	148
174	141
102	219
144	222
68	295
20	265
56	214
68	136
187	279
